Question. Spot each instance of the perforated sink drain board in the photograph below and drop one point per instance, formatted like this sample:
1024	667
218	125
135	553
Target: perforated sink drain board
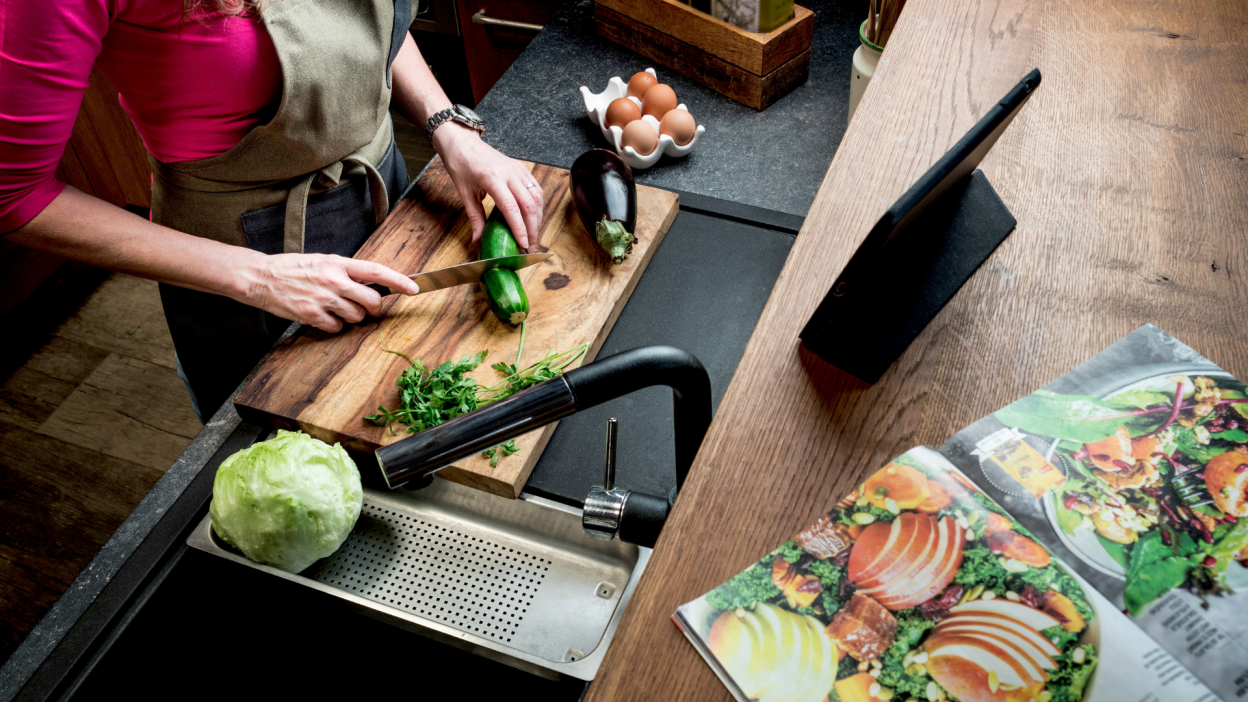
464	581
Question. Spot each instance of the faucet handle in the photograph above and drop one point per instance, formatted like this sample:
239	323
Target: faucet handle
604	505
608	469
609	511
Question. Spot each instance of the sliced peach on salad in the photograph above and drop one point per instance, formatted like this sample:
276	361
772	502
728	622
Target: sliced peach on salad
991	651
904	486
907	561
1114	453
971	676
1142	447
1141	474
1022	549
994	522
1062	609
938	498
856	688
1226	476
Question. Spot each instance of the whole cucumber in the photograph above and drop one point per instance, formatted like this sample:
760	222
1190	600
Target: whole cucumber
503	291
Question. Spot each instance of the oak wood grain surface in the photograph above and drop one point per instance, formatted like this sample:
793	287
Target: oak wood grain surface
325	384
1128	174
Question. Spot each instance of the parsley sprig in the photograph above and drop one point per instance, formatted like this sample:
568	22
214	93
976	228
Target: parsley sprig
430	396
498	452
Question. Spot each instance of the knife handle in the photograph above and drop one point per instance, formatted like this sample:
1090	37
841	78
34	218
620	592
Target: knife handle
381	289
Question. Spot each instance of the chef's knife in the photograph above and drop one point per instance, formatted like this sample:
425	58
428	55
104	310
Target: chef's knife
465	272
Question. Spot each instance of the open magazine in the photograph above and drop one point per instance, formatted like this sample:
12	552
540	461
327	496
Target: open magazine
1015	562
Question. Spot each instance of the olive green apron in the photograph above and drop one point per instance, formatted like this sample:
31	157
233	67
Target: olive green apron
317	178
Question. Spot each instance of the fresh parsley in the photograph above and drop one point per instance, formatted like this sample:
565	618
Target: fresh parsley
498	452
430	396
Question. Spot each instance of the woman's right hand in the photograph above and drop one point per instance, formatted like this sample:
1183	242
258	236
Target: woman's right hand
314	289
320	290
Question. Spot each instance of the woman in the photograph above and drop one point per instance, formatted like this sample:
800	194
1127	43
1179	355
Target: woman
272	151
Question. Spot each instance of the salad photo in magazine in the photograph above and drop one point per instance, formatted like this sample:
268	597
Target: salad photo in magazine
917	586
1019	561
1133	469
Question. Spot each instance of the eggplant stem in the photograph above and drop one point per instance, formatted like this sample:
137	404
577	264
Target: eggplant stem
614	239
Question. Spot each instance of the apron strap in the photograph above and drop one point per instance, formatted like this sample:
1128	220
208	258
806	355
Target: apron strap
331	175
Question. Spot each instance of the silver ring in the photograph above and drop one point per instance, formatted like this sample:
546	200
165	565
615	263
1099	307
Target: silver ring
531	185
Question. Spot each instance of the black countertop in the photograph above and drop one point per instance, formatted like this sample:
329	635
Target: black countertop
700	293
773	159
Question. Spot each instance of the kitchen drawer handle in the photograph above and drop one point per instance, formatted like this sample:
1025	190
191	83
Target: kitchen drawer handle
481	18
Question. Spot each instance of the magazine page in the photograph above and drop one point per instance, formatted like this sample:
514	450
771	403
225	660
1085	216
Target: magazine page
1133	470
918	586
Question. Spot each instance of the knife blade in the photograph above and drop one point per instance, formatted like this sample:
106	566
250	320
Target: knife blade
463	273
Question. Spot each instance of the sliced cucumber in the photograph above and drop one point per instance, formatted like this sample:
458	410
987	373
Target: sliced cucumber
502	287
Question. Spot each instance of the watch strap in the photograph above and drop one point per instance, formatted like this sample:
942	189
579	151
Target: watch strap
451	114
436	121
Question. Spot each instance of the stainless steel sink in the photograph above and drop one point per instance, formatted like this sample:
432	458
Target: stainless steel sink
513	580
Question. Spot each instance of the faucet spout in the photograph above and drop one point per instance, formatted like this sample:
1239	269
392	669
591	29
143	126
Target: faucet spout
593	384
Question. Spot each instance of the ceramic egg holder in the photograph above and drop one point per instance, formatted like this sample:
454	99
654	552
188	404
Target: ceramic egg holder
596	105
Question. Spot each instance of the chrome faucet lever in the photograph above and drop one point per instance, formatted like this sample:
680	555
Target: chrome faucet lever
610	511
608	470
604	505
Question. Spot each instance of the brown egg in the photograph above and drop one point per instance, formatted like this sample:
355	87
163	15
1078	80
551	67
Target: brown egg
679	125
658	101
621	111
640	136
640	83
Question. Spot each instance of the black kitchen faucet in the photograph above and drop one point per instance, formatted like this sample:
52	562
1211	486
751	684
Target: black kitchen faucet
636	517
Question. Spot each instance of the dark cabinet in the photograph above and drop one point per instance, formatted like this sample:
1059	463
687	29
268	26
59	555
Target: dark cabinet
495	32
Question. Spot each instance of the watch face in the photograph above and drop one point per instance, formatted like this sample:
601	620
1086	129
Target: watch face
466	112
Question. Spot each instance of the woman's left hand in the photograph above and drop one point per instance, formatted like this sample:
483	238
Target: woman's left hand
478	169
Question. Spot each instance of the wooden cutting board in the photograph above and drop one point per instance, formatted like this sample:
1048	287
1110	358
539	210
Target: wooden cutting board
325	384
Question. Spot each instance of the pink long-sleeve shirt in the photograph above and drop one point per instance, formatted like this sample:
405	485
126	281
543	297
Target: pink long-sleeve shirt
192	86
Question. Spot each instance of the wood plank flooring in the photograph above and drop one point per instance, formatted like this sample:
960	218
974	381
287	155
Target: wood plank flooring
88	424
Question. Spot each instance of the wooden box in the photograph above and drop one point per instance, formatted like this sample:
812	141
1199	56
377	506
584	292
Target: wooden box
753	69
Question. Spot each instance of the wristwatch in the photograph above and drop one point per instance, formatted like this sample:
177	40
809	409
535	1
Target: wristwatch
457	113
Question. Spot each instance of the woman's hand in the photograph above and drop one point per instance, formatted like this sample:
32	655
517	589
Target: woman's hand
476	167
320	290
479	169
313	289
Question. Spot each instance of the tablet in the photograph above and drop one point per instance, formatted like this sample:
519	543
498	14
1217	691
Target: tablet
934	237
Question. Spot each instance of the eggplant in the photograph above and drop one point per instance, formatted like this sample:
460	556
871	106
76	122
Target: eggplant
606	200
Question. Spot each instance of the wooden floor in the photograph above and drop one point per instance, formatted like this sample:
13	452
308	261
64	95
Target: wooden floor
88	424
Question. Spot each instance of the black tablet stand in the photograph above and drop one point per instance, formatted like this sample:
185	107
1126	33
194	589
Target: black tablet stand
865	332
918	255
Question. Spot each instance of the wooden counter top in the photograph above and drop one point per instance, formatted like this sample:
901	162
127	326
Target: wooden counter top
1128	174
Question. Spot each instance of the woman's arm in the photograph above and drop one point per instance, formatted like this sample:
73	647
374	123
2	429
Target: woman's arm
476	167
45	60
314	289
